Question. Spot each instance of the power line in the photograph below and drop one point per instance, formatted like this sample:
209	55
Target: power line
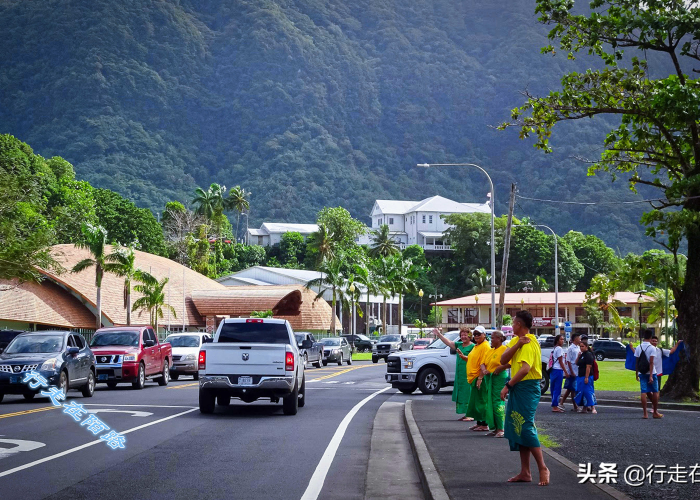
600	202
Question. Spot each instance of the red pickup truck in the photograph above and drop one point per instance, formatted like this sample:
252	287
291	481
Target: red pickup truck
130	354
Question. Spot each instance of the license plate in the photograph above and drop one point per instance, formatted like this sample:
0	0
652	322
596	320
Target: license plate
103	376
245	380
16	379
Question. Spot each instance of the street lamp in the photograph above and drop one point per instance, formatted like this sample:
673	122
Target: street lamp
493	237
436	296
420	294
351	289
246	226
640	301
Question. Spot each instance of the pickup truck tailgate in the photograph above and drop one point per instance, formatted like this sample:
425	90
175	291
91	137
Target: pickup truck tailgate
245	359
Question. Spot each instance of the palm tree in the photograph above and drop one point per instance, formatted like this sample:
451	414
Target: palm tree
540	284
364	275
383	270
403	280
94	240
122	263
153	297
332	277
237	200
322	242
383	244
480	281
656	308
209	201
602	295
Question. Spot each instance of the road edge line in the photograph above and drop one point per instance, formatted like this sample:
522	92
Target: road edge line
429	476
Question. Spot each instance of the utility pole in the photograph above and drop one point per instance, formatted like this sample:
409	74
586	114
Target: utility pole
506	252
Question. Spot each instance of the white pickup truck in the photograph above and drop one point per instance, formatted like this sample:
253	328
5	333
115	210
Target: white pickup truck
433	368
249	359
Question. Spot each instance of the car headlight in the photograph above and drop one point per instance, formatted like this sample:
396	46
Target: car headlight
336	351
374	347
49	364
131	358
407	363
188	357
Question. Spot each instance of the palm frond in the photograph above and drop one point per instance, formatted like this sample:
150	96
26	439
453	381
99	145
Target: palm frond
82	265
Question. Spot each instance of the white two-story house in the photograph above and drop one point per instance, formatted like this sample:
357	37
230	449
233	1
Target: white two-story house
420	222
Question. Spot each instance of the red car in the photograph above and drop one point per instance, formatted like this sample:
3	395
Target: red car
422	343
130	354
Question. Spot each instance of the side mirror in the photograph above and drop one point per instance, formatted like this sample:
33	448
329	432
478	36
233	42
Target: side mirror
453	351
149	343
207	340
73	350
306	344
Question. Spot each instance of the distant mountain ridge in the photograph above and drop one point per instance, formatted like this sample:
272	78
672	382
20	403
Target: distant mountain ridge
305	103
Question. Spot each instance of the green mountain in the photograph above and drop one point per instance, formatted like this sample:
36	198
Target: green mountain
306	103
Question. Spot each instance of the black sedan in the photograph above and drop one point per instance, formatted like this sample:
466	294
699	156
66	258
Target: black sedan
362	343
63	359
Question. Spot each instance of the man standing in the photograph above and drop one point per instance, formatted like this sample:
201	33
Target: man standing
570	383
658	359
645	371
476	369
523	391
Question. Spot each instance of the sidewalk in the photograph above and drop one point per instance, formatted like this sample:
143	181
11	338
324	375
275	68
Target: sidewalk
472	465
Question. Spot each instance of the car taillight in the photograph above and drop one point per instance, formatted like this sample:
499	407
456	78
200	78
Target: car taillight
254	321
202	360
289	362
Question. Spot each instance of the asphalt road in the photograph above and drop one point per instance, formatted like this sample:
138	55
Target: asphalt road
174	452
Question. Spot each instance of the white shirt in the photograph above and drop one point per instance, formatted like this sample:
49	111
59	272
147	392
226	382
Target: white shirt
571	354
556	354
658	359
649	351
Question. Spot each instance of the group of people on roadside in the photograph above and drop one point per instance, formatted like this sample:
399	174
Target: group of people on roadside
481	386
577	366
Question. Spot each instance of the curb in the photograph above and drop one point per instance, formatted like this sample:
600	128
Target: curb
617	495
429	477
637	404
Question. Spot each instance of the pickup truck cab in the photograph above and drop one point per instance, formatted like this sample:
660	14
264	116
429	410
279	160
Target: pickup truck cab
249	359
131	354
387	345
313	354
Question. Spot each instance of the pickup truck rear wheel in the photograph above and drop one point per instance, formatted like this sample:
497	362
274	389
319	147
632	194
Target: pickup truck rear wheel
544	381
223	400
302	393
429	381
140	381
165	374
207	401
290	403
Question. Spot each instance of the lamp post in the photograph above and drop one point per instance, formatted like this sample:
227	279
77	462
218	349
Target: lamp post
351	289
640	301
436	297
493	237
420	294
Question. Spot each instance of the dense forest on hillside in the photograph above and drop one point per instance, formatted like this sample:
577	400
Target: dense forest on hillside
305	103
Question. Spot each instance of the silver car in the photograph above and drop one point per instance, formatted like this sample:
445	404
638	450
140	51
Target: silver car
336	349
186	353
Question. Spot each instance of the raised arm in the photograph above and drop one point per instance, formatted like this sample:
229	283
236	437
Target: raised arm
448	342
676	346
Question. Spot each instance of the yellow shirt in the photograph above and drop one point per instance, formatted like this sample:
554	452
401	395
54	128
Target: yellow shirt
493	358
530	354
476	358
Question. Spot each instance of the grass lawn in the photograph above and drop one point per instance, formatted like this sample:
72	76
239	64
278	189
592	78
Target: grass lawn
361	356
614	377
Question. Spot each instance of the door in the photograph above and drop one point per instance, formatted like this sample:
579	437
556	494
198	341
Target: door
153	353
72	362
83	358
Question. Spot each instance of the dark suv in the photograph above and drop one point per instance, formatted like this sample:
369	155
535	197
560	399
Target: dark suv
361	342
609	349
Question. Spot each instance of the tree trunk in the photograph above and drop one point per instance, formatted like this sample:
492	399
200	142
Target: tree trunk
683	382
98	321
238	221
128	305
384	323
333	314
367	314
400	312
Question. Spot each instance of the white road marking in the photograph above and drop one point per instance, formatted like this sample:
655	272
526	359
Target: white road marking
87	445
633	408
348	383
137	406
316	483
133	413
20	445
332	382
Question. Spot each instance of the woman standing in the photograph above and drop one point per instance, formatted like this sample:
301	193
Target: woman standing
556	376
461	390
495	380
585	395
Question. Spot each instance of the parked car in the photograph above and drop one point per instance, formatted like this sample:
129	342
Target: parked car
336	349
419	344
362	342
546	340
387	344
6	337
62	358
185	353
131	354
313	354
609	349
252	358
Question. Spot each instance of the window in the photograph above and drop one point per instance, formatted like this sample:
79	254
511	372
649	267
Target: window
79	342
453	315
391	220
254	333
424	219
430	219
470	313
71	341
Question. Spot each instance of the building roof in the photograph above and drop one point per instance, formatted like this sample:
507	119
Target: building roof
431	234
535	298
432	204
240	280
395	206
283	227
294	303
42	303
181	278
257	232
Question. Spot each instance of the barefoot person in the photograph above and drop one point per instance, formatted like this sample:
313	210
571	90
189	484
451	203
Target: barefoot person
495	380
476	369
461	389
523	391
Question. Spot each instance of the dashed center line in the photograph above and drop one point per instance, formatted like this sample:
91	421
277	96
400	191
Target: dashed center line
183	385
27	412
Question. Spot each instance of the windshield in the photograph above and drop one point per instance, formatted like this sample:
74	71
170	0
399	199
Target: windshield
35	343
300	338
422	342
439	344
390	338
331	341
254	332
183	340
130	339
362	337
